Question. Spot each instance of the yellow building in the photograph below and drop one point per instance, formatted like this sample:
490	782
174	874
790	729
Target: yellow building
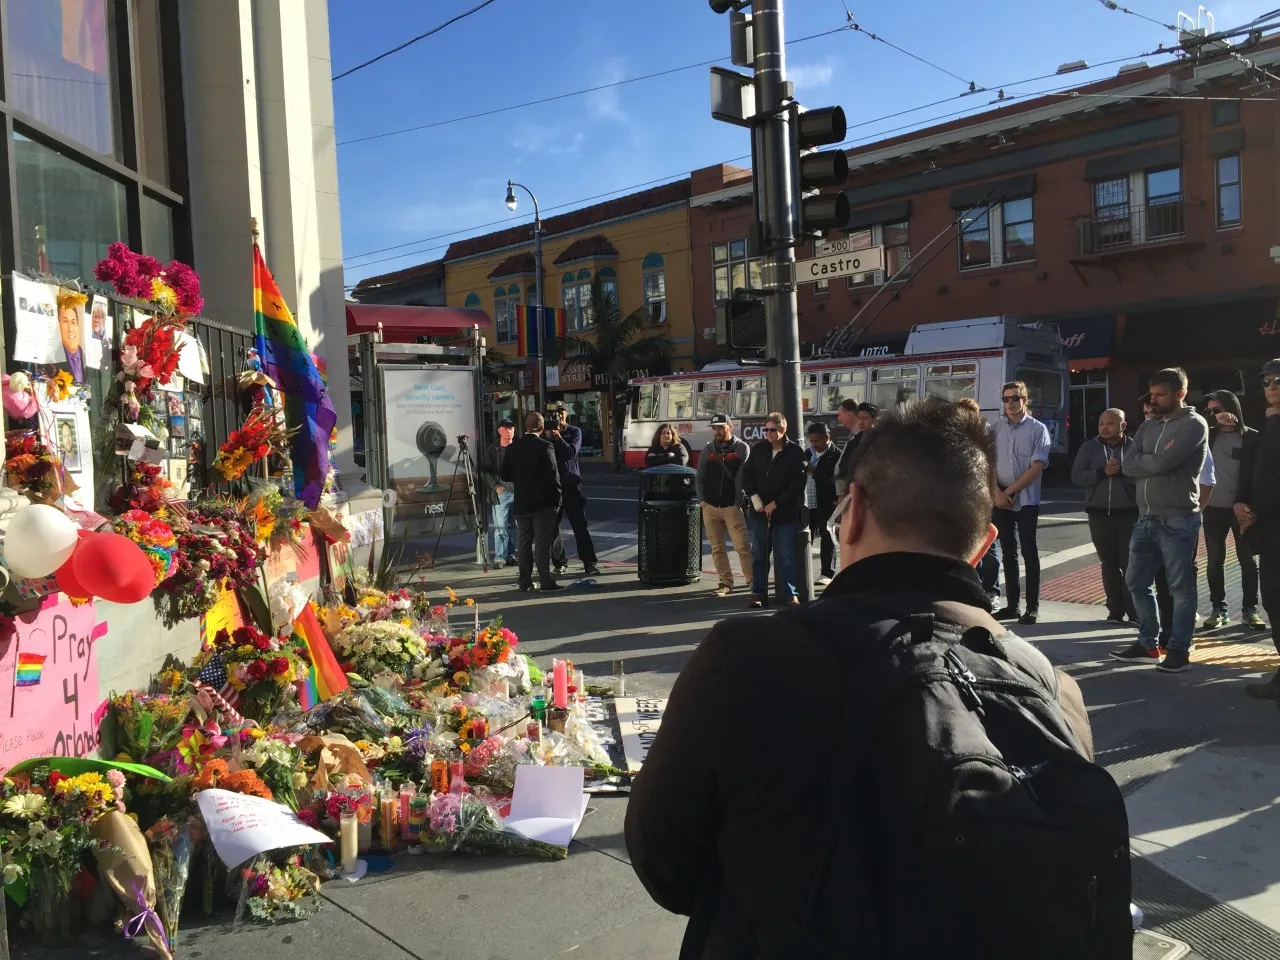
638	245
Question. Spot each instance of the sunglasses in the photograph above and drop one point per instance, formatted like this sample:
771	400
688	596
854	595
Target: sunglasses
772	430
1270	381
1012	399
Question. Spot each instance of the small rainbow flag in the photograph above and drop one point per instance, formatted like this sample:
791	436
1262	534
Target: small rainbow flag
325	679
30	668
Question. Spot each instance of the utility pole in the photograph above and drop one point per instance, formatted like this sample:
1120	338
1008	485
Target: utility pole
788	208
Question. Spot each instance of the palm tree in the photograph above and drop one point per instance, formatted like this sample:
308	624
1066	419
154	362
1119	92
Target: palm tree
613	348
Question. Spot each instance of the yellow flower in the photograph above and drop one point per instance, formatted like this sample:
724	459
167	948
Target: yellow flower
162	294
469	602
464	747
257	733
453	597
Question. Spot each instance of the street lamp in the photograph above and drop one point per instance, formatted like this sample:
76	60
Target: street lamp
540	327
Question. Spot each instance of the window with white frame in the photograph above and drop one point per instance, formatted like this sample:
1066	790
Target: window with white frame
998	233
894	237
505	301
575	296
654	282
732	269
1227	172
713	398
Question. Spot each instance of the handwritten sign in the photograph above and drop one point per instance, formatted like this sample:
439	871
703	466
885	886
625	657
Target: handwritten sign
241	827
225	614
639	720
53	717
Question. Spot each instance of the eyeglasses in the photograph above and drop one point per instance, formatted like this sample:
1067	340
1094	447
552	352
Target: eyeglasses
1270	381
772	430
1013	398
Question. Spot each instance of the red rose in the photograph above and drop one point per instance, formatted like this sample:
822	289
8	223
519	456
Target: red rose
55	778
257	670
221	638
279	665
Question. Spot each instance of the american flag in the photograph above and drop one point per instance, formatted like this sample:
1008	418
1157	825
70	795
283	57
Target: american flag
213	678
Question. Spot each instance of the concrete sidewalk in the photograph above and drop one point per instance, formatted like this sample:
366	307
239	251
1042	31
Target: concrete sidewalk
1196	758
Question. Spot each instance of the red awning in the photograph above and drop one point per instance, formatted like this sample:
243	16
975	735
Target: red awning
405	324
1090	363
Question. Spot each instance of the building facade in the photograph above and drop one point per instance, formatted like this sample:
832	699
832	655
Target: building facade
419	286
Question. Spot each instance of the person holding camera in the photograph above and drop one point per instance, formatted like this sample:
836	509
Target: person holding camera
530	466
567	441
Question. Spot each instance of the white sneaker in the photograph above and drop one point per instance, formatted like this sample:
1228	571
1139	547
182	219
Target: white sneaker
822	581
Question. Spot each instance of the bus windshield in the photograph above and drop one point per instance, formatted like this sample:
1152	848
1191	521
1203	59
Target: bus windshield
1043	386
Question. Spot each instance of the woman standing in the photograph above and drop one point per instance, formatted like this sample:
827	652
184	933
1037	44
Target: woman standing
667	449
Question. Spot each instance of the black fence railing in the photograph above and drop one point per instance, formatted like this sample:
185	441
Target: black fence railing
1131	226
213	409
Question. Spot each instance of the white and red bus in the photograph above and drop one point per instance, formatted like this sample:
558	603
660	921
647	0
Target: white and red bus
961	358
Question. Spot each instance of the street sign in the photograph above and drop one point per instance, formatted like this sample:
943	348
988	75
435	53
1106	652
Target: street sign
835	265
830	247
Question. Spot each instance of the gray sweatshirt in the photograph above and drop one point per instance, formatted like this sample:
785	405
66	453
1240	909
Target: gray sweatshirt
1167	459
1106	494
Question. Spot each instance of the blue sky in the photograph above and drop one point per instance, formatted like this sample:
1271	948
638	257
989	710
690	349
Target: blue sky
450	179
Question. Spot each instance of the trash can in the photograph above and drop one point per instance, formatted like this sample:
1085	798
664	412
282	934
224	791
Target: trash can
670	526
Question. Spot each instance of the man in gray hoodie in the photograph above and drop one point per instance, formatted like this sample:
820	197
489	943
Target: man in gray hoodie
1111	505
1169	454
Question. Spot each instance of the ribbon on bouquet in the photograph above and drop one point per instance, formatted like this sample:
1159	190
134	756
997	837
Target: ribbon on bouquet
147	917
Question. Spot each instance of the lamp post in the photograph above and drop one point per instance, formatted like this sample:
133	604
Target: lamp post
539	326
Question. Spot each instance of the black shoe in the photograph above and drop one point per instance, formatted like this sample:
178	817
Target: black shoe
552	585
560	568
527	587
1175	661
1115	618
592	570
1030	617
1008	613
1270	690
1136	653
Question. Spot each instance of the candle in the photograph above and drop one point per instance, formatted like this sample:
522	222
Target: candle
559	684
417	816
407	792
364	834
439	775
348	840
475	608
388	804
457	776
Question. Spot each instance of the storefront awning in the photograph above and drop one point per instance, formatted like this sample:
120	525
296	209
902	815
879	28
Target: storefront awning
1088	342
401	324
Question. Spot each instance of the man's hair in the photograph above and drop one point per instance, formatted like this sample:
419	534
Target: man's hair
533	423
1015	385
777	418
1175	378
969	404
868	407
1115	412
849	405
926	472
818	429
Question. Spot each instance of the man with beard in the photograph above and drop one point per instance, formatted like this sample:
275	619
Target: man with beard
1258	510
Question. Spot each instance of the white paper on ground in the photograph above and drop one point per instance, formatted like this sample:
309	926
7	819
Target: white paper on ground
548	803
241	827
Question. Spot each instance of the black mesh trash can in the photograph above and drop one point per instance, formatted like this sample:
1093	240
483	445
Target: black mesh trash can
670	526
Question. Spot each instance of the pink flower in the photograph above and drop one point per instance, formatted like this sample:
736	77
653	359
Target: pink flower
148	267
115	778
108	271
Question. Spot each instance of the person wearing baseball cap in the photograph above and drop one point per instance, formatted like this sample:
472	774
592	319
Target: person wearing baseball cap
501	496
1257	508
719	486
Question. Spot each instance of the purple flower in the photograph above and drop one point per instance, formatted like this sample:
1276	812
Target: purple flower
415	743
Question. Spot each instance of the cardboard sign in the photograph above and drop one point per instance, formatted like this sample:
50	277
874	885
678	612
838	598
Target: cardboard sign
51	713
225	614
241	827
639	720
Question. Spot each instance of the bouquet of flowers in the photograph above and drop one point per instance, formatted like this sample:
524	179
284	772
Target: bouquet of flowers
464	823
380	646
217	773
282	892
59	385
147	489
143	726
171	842
262	435
279	763
494	644
214	549
154	536
30	466
350	797
277	521
262	668
44	832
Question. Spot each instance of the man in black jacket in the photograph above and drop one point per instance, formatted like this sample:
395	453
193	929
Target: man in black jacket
1111	506
728	834
1228	434
1258	510
530	464
501	497
567	440
820	495
773	483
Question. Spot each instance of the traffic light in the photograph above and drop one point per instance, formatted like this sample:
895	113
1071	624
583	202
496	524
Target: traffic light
815	169
740	322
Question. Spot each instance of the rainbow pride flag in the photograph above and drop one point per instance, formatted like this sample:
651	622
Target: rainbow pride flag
30	669
287	361
325	679
553	328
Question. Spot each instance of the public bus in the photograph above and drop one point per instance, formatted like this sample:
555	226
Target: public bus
960	358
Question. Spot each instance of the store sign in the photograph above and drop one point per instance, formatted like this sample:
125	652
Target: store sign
1087	338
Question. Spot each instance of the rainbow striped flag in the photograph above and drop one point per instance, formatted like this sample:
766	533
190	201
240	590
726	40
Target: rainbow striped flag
553	327
325	679
30	668
287	361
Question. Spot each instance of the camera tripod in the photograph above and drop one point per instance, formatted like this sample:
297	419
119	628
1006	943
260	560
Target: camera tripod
482	546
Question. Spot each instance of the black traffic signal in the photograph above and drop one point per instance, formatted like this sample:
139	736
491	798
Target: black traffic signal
815	169
740	322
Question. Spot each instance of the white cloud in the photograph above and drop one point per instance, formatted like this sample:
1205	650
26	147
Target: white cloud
606	104
811	74
552	141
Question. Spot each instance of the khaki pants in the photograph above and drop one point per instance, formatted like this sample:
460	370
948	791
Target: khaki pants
717	521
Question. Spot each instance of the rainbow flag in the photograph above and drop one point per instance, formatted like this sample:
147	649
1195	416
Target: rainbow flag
30	668
325	679
287	361
553	327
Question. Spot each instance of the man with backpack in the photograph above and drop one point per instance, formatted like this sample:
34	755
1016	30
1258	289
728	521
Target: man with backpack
902	811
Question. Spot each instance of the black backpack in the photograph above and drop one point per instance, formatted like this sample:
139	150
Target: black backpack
990	834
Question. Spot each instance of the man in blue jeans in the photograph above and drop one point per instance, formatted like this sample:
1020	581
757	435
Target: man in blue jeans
501	496
773	482
1167	462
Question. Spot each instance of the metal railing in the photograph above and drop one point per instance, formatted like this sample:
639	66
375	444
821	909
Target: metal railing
1132	226
226	349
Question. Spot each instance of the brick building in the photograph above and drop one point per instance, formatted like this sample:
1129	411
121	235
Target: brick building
1139	212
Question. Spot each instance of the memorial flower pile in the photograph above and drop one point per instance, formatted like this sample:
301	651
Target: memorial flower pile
380	646
285	892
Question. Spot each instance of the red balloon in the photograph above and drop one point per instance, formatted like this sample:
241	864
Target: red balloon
67	582
113	567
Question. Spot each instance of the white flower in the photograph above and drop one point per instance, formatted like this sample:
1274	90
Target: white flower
12	873
26	805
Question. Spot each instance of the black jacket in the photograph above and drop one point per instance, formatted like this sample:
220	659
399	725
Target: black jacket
491	469
720	826
1260	481
676	455
777	479
530	464
824	478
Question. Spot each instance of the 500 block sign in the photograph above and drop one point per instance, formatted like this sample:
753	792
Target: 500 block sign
51	713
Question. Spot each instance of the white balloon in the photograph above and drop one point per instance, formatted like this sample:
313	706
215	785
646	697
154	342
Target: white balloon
39	540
